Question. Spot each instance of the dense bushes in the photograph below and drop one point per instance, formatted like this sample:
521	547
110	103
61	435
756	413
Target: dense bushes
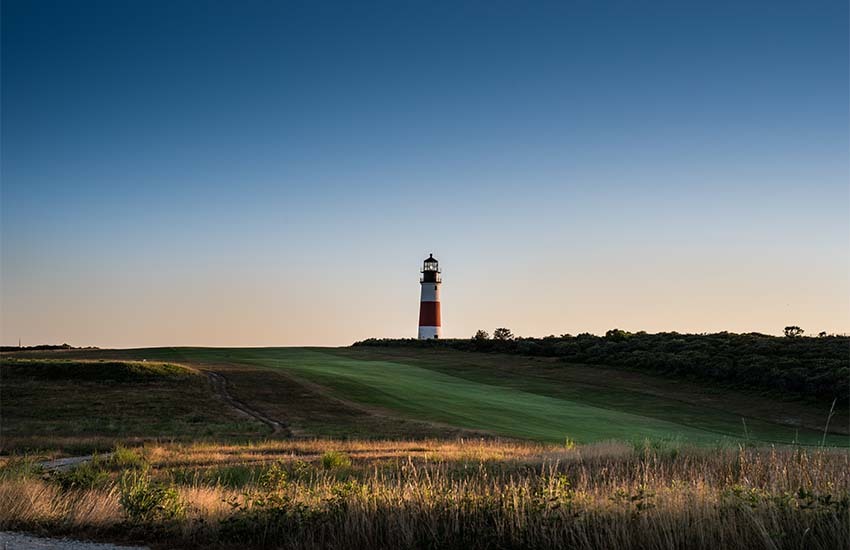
813	368
43	347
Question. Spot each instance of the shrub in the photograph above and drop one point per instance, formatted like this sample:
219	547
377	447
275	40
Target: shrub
273	478
335	460
144	500
125	458
269	520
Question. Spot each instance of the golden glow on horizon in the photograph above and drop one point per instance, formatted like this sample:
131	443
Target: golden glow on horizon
271	309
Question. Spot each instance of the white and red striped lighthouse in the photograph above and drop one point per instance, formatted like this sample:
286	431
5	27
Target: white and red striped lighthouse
429	304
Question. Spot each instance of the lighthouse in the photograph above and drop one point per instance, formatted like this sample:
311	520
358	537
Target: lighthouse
429	303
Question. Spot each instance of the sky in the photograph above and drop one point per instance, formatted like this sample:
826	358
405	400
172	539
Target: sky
259	173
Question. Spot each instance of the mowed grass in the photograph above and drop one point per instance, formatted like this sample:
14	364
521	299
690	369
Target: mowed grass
455	389
473	405
695	404
80	405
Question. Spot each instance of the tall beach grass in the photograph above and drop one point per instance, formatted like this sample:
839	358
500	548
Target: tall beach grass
449	494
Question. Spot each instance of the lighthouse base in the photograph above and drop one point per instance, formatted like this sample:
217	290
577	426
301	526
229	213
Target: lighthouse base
429	333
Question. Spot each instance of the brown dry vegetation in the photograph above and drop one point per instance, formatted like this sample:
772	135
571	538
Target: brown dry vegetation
432	493
80	405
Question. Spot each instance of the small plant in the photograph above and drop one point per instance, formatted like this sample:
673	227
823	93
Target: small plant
557	493
335	460
237	475
144	500
749	496
20	468
340	495
642	499
273	478
88	475
125	458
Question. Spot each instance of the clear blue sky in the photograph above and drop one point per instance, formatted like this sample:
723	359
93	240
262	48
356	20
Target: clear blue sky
259	173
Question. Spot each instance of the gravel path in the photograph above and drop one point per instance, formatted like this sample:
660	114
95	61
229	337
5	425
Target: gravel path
19	541
65	464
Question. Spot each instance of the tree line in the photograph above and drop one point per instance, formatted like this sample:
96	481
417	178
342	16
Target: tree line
811	368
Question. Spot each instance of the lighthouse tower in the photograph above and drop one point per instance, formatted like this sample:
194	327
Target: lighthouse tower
429	304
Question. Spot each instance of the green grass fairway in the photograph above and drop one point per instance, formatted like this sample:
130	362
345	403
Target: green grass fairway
453	400
511	396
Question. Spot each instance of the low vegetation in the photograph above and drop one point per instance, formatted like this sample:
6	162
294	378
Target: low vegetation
106	372
43	347
332	460
81	405
444	494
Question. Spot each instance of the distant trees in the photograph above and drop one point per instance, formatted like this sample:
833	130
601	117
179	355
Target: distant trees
503	334
617	335
822	334
41	347
793	331
481	335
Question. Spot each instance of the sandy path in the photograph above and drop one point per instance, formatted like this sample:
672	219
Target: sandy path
20	541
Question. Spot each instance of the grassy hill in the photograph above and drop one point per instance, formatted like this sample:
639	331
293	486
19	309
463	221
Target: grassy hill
78	404
409	392
814	369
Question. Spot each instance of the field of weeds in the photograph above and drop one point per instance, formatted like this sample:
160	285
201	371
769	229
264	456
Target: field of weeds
438	493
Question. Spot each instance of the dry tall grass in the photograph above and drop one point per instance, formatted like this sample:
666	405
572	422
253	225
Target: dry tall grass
479	494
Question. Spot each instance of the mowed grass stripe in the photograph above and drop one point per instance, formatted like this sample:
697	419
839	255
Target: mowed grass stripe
607	388
427	394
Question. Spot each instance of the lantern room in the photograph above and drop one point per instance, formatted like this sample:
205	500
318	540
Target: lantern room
430	270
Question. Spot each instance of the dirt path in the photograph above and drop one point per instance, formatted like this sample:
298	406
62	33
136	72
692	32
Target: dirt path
380	412
219	386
